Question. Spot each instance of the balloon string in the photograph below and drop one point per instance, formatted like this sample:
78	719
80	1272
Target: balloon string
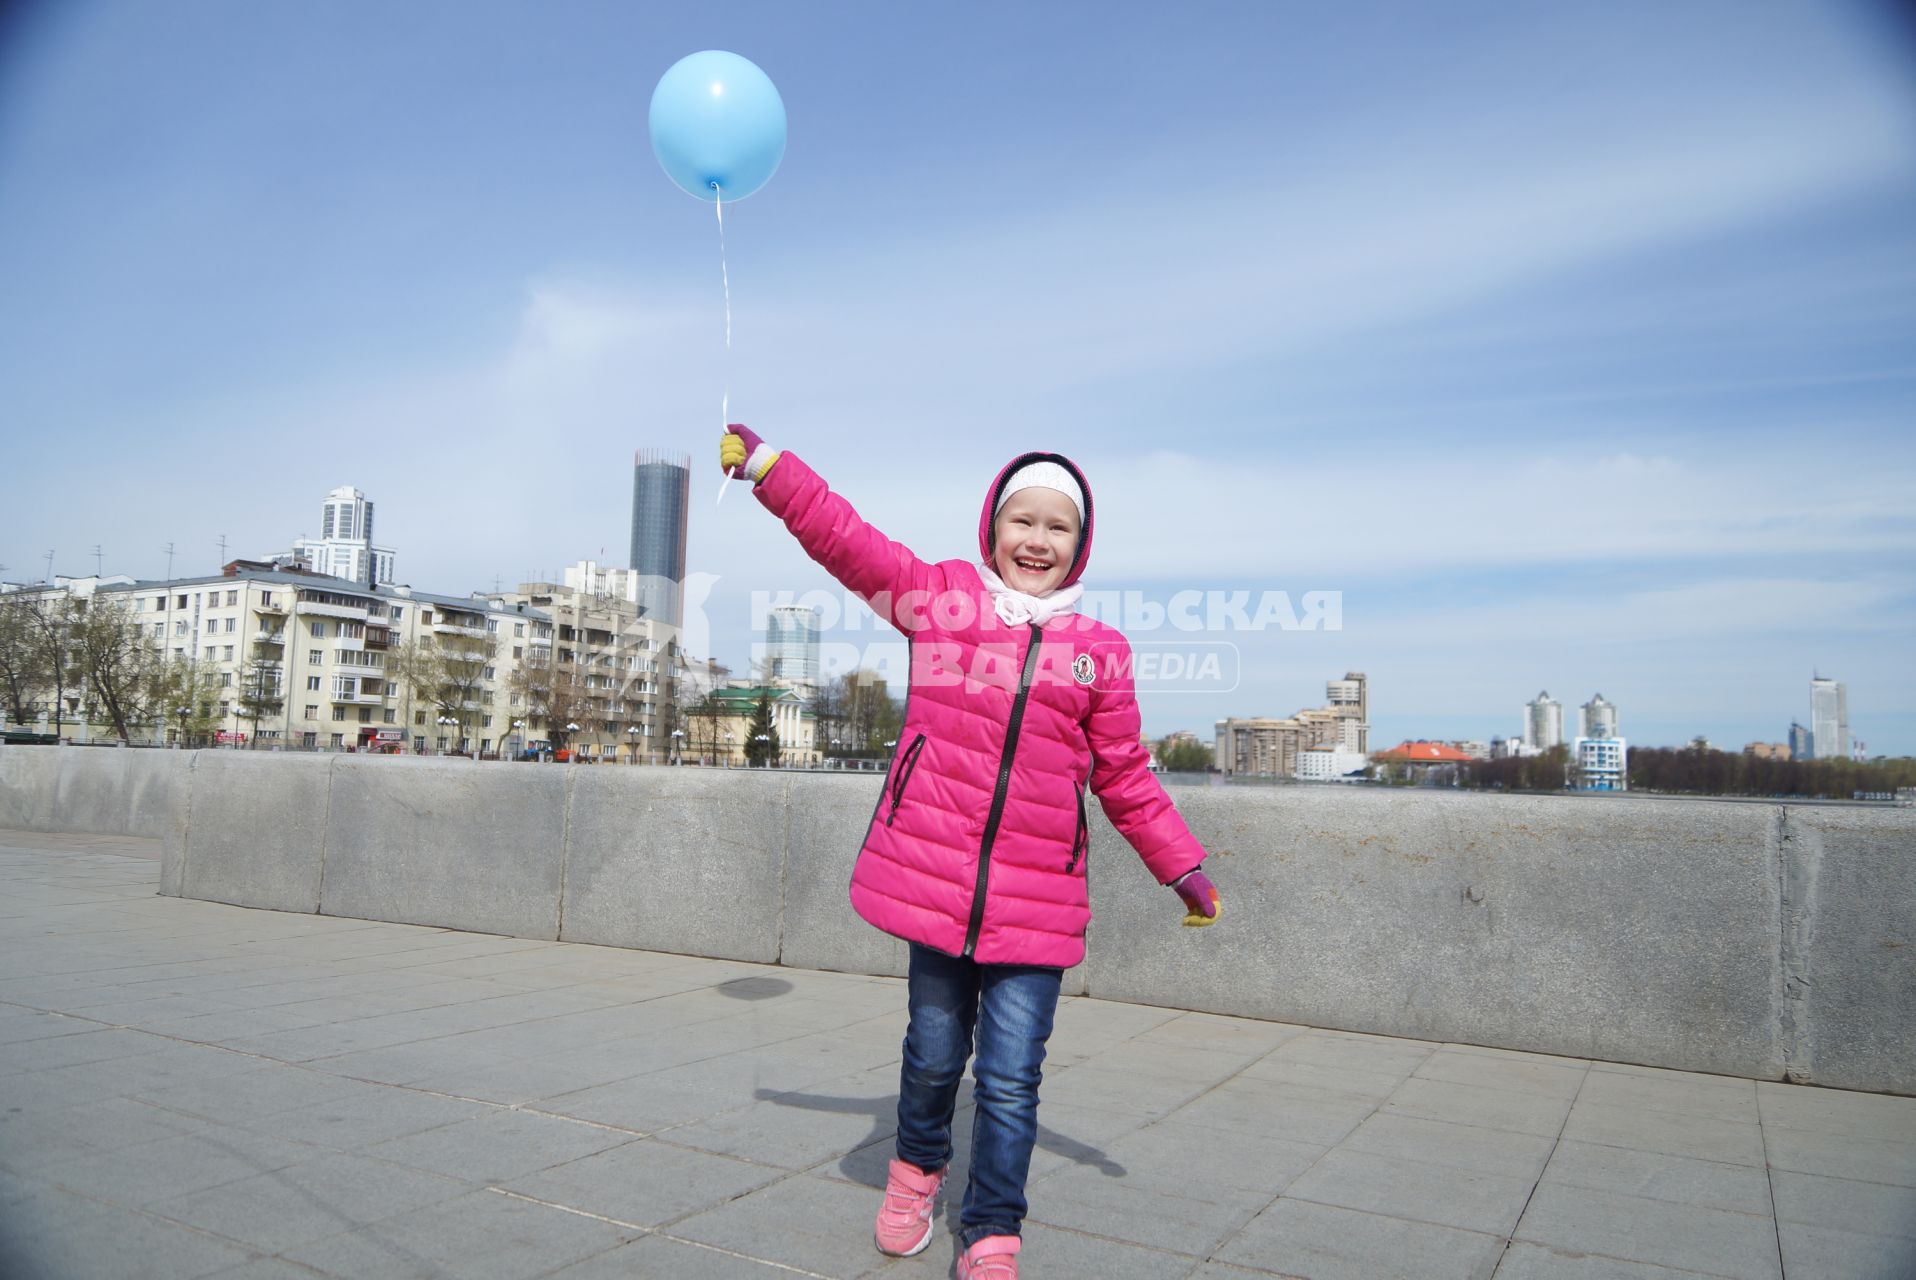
725	275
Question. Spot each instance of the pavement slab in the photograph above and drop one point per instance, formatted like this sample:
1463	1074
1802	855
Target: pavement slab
192	1089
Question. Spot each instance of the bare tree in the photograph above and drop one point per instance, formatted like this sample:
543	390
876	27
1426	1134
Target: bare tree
260	693
50	617
23	673
549	690
122	668
449	673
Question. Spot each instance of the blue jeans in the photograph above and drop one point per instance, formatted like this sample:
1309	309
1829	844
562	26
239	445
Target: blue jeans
1011	1008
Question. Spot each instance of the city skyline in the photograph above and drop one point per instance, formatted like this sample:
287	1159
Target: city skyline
1574	355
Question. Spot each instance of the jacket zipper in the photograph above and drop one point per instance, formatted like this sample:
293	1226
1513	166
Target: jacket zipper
1077	841
998	797
910	762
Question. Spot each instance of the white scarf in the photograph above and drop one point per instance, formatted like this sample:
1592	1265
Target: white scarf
1017	609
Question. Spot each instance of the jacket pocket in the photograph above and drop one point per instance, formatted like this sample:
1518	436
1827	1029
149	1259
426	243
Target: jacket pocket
1083	836
906	764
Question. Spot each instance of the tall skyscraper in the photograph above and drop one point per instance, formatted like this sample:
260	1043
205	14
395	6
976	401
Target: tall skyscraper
1597	719
661	486
791	647
1829	719
1543	722
344	547
1800	746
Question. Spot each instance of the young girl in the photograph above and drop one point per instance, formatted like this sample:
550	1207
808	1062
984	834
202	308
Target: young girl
1017	704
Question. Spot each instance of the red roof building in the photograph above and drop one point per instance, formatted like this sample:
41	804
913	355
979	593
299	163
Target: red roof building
1421	753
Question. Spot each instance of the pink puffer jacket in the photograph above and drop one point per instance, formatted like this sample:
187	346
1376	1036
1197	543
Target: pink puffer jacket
977	846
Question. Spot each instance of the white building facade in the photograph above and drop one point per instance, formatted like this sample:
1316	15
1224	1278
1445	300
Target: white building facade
1829	719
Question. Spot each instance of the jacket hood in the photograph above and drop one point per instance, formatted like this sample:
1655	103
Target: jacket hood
1082	555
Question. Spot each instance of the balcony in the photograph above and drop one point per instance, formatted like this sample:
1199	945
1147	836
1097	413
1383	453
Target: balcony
313	610
269	610
378	638
455	629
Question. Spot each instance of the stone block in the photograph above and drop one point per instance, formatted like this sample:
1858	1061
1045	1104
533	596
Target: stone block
682	860
27	781
1633	929
829	816
1850	946
453	843
258	836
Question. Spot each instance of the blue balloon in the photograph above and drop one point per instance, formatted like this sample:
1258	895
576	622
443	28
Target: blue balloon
718	125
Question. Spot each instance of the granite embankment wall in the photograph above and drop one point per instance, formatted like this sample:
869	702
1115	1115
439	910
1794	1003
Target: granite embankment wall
1759	940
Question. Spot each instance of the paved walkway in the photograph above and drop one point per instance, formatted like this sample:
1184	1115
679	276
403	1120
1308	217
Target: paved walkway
188	1089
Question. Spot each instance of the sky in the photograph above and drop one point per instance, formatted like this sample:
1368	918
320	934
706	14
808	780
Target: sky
1573	345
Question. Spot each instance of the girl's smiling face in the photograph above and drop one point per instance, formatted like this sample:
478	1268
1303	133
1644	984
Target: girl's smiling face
1033	539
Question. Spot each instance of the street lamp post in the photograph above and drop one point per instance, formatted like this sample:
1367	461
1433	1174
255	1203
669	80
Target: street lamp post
180	742
519	736
572	750
678	756
444	720
632	733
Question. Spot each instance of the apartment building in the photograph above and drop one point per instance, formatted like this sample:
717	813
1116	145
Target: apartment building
330	650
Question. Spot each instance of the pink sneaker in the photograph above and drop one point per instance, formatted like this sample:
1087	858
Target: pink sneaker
992	1258
904	1220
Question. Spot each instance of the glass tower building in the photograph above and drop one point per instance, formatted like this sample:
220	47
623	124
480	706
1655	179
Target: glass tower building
661	485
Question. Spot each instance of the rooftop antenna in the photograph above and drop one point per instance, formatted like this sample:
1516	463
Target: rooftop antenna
49	577
98	571
169	562
222	549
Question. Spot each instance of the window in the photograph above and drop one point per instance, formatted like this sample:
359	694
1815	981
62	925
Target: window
339	713
226	679
518	628
232	597
485	744
345	686
228	655
180	601
309	739
419	717
266	599
365	715
315	658
425	617
159	629
232	625
339	740
492	625
419	746
226	709
312	713
319	629
492	673
179	628
485	722
518	652
352	631
312	684
392	717
159	603
394	610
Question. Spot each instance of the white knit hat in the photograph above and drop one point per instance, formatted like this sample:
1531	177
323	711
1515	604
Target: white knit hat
1043	475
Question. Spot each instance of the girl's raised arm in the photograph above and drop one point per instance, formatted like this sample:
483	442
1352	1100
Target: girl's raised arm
884	574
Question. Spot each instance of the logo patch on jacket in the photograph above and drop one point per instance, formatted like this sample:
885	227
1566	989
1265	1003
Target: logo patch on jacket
1083	670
